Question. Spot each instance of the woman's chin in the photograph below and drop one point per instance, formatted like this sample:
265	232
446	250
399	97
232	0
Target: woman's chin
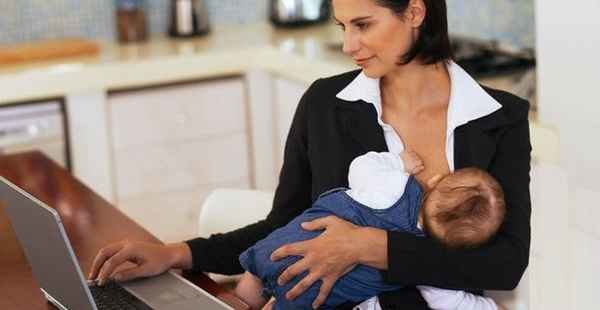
372	72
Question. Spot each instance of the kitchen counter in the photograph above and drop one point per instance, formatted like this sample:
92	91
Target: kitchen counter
303	54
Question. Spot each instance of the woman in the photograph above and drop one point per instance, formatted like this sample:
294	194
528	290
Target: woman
408	95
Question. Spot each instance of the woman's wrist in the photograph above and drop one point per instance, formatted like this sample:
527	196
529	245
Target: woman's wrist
180	256
372	247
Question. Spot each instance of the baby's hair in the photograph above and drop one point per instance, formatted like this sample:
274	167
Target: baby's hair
465	209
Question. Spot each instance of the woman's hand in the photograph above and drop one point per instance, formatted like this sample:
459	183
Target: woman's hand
327	257
149	259
269	305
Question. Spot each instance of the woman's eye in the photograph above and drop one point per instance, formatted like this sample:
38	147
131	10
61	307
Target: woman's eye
341	26
362	26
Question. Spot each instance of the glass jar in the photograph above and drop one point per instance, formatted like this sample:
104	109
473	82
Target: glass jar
131	20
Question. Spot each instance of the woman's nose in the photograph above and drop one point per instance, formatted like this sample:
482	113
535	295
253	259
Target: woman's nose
351	44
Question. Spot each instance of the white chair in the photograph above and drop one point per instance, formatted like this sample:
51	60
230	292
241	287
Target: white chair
228	209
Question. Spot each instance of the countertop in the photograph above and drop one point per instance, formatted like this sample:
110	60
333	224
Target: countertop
302	54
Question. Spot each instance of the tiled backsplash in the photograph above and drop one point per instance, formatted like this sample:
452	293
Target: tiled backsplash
24	20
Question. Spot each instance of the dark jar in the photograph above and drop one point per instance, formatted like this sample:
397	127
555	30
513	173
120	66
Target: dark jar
131	21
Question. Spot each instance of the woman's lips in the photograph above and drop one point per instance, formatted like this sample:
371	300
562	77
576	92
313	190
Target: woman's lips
362	61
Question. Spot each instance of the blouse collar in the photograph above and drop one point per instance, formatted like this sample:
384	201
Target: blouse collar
468	100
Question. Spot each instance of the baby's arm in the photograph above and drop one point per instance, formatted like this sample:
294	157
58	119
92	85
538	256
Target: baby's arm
249	289
412	162
442	299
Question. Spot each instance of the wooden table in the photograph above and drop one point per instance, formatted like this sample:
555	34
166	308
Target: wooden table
90	222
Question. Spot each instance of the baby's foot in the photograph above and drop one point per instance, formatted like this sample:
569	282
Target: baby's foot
412	162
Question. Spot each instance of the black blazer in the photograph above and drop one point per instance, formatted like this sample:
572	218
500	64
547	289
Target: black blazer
327	133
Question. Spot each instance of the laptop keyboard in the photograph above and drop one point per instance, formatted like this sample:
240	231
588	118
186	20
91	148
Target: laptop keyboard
113	296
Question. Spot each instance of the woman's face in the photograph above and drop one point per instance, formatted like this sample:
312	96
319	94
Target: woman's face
374	36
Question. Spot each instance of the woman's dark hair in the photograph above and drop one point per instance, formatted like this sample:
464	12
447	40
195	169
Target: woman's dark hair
433	43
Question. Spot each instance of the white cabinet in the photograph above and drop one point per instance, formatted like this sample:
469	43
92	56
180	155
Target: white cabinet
34	126
172	145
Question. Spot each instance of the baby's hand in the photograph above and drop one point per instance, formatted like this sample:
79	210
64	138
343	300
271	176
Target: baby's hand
412	162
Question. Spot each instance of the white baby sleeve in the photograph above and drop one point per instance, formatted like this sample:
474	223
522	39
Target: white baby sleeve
376	179
442	299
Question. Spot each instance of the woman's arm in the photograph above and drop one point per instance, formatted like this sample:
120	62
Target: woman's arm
408	260
219	253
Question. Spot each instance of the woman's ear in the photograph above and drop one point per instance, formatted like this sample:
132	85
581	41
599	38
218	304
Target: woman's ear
415	13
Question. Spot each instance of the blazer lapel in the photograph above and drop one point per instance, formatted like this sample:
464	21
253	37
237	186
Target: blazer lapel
475	142
358	120
473	147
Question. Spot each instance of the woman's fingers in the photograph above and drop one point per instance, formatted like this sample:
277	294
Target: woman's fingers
302	286
419	169
324	291
318	224
297	248
150	258
327	256
269	305
292	271
111	265
133	273
103	255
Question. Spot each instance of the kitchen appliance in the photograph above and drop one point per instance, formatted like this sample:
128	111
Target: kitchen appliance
298	12
35	126
188	18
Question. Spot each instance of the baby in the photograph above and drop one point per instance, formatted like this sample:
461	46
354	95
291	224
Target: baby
461	209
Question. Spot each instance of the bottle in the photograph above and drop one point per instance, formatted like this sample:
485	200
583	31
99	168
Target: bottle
188	18
131	21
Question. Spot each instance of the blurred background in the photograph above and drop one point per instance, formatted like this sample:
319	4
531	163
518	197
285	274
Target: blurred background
155	104
511	21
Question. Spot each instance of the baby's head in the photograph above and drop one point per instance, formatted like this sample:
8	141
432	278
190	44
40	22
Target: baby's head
464	209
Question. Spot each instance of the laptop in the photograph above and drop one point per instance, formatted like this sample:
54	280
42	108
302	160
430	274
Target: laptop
54	265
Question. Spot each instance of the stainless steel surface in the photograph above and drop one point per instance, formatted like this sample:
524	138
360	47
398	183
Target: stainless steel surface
171	291
188	18
298	12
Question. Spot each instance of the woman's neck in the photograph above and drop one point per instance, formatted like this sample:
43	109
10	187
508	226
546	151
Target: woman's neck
416	88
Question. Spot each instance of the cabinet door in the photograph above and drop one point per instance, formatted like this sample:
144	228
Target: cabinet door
172	145
287	97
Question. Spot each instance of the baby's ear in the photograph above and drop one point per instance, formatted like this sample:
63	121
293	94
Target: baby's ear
433	182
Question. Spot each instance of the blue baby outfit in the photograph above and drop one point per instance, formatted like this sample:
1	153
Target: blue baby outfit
363	281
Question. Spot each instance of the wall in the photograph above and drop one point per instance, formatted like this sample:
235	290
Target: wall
568	47
22	20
